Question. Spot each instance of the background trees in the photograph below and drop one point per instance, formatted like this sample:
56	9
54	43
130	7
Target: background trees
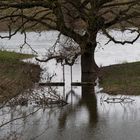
79	20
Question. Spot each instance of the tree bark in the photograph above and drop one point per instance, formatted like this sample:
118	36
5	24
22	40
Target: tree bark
89	68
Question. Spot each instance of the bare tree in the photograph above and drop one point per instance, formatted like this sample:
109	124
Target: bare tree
79	20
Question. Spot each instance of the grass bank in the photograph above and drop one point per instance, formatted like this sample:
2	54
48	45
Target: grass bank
121	79
16	76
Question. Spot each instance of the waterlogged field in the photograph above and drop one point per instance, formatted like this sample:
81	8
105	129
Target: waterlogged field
16	76
94	117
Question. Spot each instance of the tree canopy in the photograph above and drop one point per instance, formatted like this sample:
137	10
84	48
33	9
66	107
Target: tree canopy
76	19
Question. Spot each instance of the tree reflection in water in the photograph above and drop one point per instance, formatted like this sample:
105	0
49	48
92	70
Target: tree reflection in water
83	118
87	100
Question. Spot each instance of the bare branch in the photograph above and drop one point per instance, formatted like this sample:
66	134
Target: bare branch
121	42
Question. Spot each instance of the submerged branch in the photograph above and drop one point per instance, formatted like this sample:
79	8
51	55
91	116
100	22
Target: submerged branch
19	118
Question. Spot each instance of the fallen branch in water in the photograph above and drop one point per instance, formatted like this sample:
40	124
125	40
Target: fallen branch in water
42	97
119	100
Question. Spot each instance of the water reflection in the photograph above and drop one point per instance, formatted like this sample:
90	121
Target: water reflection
83	118
81	112
87	101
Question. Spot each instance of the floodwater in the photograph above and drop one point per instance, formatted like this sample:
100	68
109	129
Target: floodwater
85	117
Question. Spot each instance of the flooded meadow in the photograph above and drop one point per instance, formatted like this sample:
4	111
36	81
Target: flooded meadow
98	116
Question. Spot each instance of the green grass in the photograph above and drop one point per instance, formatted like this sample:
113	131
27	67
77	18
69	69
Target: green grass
10	63
121	79
16	76
13	56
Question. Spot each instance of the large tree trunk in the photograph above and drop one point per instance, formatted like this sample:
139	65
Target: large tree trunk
89	67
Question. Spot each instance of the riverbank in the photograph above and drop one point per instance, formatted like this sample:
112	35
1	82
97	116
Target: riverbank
121	79
16	76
